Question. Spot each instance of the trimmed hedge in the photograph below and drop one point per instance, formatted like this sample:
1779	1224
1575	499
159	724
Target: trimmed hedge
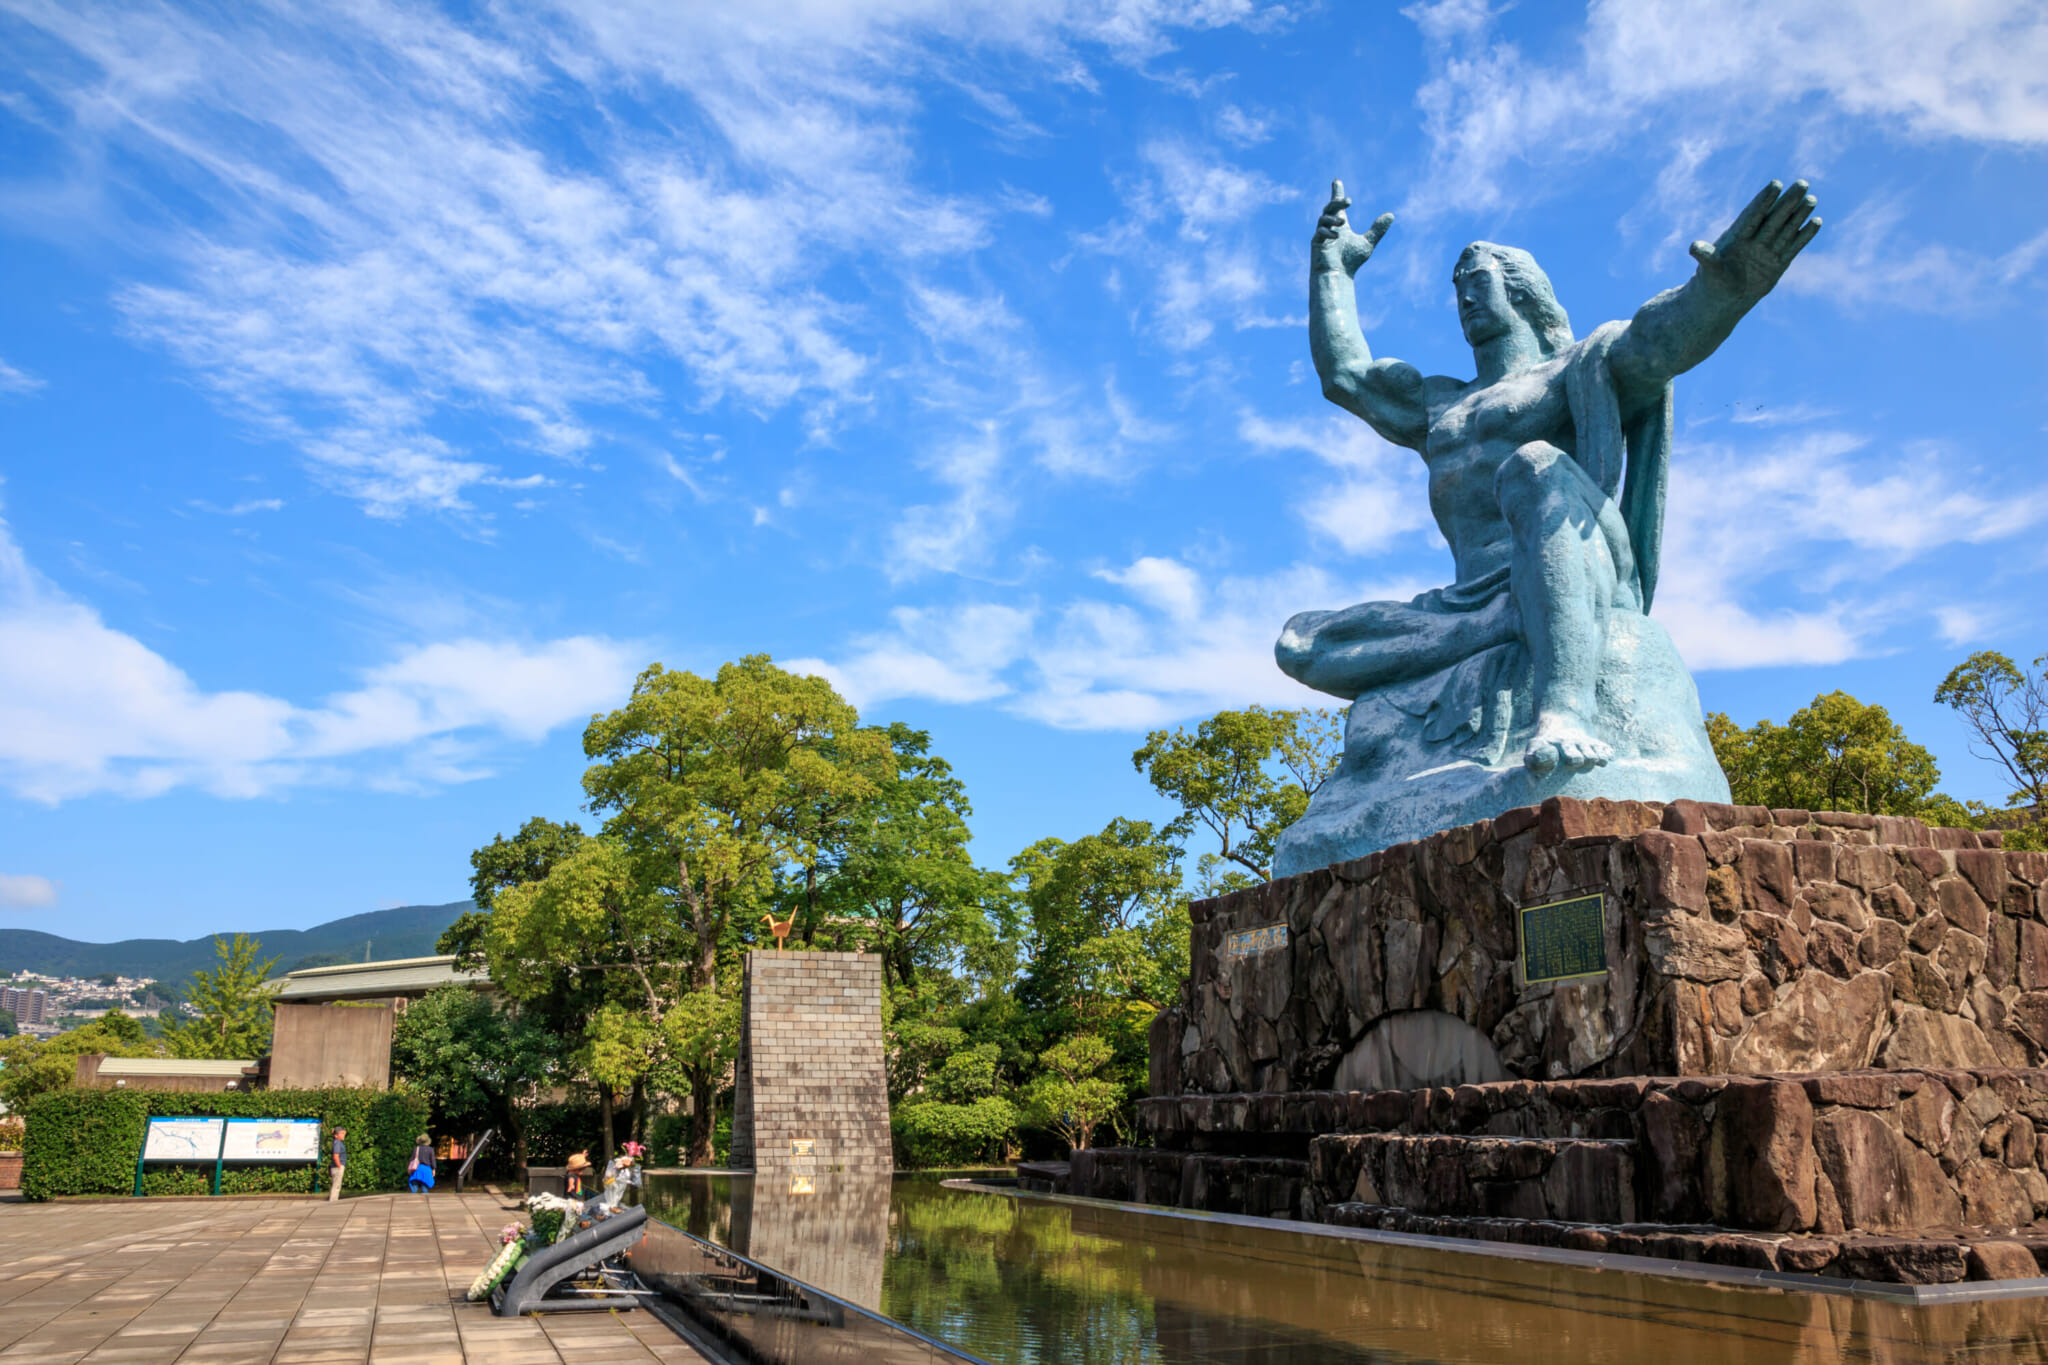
86	1141
931	1135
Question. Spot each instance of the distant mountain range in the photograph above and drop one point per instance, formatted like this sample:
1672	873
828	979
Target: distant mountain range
408	931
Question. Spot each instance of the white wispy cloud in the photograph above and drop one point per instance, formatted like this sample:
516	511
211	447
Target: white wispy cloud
1700	75
13	380
1167	644
26	891
86	708
1813	525
1212	270
1381	492
391	245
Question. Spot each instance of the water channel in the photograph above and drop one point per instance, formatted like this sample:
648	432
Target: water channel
1022	1280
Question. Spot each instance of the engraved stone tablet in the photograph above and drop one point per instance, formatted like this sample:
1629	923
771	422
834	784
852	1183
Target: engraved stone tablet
1564	939
1251	942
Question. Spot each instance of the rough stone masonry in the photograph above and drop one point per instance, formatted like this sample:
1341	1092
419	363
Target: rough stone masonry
1815	1041
810	1068
1737	940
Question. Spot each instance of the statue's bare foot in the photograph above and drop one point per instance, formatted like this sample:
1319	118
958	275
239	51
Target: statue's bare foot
1561	741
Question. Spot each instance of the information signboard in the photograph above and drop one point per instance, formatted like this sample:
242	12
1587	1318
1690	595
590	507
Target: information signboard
272	1140
183	1140
1564	939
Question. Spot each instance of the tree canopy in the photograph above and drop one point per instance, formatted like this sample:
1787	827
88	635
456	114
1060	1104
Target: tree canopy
233	1003
2005	707
1836	753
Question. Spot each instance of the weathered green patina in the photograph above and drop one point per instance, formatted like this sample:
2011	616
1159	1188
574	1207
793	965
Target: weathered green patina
1538	672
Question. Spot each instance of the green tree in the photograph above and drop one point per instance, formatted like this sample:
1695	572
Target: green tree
500	865
1069	1098
30	1066
2005	707
233	1004
8	1028
476	1057
1835	754
1244	776
893	870
725	781
1108	923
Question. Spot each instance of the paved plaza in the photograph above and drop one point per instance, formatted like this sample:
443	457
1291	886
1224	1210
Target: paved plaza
297	1282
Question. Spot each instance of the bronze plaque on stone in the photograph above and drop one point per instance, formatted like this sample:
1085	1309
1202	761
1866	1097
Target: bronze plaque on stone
1564	940
1252	942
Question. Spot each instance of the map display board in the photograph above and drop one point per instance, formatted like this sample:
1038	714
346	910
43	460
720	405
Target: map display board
1564	939
183	1140
272	1140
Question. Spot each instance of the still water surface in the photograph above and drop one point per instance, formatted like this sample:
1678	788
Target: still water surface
1029	1281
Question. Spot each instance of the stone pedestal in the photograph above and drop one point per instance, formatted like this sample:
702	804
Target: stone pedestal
811	1095
1808	1041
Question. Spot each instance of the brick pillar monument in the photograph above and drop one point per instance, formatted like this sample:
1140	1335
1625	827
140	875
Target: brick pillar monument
810	1094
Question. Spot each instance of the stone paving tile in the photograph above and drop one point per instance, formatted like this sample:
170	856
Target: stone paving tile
376	1280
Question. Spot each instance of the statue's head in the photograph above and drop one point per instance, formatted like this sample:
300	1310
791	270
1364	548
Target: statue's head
1496	286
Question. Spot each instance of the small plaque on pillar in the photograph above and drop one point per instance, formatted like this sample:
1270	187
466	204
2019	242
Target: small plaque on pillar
1565	940
1252	942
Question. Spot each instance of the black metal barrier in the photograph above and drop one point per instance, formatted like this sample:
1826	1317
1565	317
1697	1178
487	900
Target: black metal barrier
574	1254
744	1311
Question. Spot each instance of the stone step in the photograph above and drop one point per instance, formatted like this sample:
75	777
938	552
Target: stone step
1943	1257
1264	1187
1578	1180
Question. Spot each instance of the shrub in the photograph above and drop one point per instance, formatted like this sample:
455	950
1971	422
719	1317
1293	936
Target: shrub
86	1141
933	1134
10	1135
553	1131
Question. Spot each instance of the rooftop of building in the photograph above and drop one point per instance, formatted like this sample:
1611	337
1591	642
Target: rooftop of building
404	976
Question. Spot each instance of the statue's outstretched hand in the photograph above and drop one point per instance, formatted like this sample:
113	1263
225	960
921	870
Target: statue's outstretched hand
1336	246
1749	257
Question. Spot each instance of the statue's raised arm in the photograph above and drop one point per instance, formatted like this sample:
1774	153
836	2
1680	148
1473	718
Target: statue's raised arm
1681	327
1386	393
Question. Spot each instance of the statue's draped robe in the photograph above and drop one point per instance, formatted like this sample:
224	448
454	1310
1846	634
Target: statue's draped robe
1622	471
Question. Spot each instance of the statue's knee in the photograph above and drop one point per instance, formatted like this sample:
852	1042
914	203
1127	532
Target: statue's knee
1296	646
1531	466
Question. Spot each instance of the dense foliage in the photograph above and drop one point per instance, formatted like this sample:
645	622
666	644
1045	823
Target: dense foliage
31	1066
1837	753
1017	1000
86	1141
233	1004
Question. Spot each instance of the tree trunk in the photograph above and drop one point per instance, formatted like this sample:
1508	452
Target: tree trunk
604	1104
703	1116
515	1134
640	1110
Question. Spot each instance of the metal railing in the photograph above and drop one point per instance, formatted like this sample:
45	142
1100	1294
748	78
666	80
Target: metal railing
741	1310
470	1160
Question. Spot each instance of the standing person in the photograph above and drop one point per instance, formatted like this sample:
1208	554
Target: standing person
420	1177
340	1163
575	1175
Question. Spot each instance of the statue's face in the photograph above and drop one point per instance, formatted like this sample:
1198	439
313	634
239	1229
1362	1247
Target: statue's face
1484	309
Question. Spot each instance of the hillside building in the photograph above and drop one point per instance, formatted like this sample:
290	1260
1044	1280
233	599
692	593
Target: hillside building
29	1008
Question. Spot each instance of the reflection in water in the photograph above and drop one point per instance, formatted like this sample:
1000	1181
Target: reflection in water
1030	1281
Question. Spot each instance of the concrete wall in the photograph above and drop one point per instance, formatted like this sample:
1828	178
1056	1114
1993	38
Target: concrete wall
313	1046
810	1067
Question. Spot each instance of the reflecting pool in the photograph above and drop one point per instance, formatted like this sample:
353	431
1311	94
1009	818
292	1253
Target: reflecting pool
1032	1281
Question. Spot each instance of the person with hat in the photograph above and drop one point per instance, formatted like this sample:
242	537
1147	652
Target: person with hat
420	1174
575	1174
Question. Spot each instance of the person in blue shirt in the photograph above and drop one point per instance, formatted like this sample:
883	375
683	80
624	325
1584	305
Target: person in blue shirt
340	1163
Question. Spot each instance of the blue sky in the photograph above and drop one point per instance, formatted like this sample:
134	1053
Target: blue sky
381	385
